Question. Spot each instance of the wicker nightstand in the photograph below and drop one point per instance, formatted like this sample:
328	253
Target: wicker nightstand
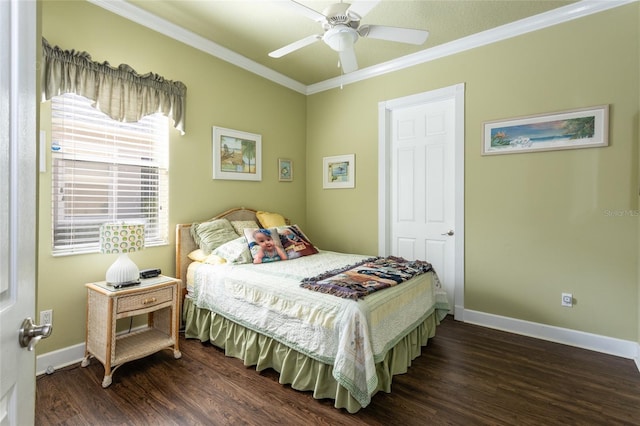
158	297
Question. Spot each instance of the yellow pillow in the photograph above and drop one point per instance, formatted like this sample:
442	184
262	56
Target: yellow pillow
197	255
270	220
212	259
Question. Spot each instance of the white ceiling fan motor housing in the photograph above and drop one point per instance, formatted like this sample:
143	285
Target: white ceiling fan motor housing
340	38
339	13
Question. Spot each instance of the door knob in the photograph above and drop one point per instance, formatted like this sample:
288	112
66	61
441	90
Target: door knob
450	233
30	333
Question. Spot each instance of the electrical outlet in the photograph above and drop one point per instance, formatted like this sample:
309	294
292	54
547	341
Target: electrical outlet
567	299
46	317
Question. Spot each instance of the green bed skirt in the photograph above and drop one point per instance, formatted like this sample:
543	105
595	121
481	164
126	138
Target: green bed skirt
296	369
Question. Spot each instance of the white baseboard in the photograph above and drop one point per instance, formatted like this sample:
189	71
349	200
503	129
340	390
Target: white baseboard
51	361
609	345
60	358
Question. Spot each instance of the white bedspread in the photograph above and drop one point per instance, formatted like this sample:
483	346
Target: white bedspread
352	336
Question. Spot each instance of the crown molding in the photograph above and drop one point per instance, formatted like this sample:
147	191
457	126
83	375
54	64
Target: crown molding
547	19
151	21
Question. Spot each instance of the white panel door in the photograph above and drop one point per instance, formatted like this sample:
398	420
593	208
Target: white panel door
17	207
422	195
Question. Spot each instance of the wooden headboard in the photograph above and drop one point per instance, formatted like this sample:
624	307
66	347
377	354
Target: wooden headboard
185	243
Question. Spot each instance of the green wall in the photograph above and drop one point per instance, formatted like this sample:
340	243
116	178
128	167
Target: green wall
218	94
536	224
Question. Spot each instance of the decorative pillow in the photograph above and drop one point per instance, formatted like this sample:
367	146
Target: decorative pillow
199	256
295	242
235	251
270	220
264	245
240	225
214	259
211	235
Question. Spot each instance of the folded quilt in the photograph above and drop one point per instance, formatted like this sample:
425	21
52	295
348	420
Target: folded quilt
374	274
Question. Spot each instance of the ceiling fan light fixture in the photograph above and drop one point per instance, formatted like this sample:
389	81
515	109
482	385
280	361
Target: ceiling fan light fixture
340	38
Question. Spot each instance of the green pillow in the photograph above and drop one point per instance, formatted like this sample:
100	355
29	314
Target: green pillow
211	235
241	225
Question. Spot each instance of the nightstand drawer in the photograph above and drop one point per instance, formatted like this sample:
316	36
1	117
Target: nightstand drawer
146	300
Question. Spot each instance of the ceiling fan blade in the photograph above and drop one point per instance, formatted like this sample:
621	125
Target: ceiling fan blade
348	60
295	46
362	7
304	11
402	35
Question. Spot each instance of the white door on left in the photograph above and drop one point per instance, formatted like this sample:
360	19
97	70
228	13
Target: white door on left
18	173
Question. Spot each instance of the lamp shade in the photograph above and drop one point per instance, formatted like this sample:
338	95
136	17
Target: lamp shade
122	238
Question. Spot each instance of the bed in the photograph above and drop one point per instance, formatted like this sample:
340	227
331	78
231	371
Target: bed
344	348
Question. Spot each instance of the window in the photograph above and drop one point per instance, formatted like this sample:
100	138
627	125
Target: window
105	171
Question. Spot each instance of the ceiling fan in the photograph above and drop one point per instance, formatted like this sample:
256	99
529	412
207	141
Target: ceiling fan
342	29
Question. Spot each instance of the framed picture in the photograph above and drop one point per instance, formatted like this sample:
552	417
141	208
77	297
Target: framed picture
339	171
236	155
285	170
578	128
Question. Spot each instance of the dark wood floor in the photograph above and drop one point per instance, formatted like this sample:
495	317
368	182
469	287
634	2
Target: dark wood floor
468	375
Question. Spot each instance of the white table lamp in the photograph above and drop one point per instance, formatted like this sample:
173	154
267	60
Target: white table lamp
122	238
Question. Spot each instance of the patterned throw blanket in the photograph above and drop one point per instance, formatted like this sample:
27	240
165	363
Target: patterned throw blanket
376	273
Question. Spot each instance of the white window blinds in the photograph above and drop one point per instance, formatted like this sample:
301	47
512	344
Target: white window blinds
105	171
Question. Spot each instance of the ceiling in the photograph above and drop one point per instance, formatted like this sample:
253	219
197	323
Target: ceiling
252	29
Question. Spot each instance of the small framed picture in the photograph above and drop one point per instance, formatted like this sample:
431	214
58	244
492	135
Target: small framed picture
236	155
285	170
339	171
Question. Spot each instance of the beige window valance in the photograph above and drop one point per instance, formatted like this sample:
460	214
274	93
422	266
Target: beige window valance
121	93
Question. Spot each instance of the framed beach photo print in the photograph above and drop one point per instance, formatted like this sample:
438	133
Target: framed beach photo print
285	170
236	155
578	128
339	171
